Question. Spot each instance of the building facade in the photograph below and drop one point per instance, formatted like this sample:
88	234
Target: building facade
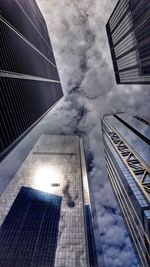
30	84
127	152
128	31
45	211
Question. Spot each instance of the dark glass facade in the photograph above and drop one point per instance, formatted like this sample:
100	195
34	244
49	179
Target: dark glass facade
90	237
128	31
30	83
28	236
127	152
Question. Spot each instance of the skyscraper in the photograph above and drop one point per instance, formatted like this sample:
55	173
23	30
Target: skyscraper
45	211
127	152
30	84
128	31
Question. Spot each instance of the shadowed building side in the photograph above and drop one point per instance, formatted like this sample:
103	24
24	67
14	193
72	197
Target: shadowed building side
33	217
30	84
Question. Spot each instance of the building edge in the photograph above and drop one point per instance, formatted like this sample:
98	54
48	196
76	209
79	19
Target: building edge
5	153
98	245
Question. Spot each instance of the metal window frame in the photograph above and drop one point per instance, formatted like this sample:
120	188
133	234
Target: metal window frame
137	169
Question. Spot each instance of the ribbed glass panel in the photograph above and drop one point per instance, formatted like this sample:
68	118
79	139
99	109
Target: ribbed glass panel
128	32
28	236
16	55
30	83
31	26
136	124
22	103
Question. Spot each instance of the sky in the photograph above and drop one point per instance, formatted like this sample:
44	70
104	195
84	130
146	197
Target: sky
78	37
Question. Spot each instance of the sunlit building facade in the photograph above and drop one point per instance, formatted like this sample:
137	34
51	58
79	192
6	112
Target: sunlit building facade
30	84
45	211
127	152
128	31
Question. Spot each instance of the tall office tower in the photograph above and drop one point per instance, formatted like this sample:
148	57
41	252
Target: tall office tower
45	212
127	152
30	83
128	31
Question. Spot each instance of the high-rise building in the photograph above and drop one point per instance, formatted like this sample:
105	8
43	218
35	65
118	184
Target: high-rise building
30	83
45	211
128	31
127	152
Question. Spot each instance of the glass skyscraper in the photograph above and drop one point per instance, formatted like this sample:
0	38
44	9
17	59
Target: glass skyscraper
30	83
127	152
128	31
45	212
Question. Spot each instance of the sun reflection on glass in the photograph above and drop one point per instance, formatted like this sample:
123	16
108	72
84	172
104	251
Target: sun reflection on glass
46	177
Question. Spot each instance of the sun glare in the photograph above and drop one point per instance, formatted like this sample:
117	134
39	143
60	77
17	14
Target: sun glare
46	177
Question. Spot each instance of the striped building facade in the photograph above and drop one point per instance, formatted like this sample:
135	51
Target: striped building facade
127	152
30	84
128	31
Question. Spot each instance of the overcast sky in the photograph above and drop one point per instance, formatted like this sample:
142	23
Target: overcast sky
78	36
